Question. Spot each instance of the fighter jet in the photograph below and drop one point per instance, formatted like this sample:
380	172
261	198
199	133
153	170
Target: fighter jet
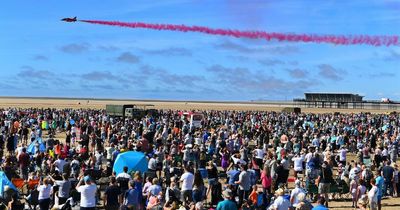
69	19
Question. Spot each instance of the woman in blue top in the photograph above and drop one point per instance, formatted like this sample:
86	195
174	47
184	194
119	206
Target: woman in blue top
131	197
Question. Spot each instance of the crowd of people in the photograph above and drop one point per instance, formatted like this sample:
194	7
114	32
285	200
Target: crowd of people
234	160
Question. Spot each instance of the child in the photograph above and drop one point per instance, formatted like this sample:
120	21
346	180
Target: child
353	190
253	195
361	190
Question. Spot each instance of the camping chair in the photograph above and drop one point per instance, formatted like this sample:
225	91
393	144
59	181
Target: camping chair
344	189
341	188
312	189
33	183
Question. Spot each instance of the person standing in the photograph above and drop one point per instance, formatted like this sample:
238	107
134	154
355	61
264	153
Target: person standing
59	164
23	160
280	203
187	180
396	180
298	165
244	184
388	174
44	194
110	150
324	181
88	193
379	182
295	192
132	197
227	203
342	155
64	188
373	195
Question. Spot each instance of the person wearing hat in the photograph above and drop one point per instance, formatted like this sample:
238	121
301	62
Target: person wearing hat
353	191
280	203
355	171
88	193
227	203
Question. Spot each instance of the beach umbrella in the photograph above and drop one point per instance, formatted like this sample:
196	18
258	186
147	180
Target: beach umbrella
32	147
4	181
135	161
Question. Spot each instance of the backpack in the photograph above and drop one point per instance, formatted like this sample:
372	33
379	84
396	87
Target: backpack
368	175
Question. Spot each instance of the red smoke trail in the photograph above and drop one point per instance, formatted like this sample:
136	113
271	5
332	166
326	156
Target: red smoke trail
332	39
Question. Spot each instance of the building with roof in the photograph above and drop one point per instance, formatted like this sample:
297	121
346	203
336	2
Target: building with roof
332	100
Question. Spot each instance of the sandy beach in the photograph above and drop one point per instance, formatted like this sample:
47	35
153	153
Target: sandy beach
15	102
75	103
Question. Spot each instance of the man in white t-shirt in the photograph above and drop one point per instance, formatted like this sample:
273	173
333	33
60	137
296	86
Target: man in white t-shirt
259	152
88	193
187	180
124	174
59	164
110	151
298	164
309	155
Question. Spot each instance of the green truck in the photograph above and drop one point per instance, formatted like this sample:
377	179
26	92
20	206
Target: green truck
129	110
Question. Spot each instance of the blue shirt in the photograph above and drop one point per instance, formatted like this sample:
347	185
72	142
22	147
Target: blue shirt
233	176
320	207
379	183
132	195
155	189
226	205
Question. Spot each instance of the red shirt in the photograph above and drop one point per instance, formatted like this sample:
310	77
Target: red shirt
23	160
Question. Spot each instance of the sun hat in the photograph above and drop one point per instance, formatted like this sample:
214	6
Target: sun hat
227	193
280	192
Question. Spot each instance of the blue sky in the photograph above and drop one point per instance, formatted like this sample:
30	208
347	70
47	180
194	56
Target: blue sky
42	56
